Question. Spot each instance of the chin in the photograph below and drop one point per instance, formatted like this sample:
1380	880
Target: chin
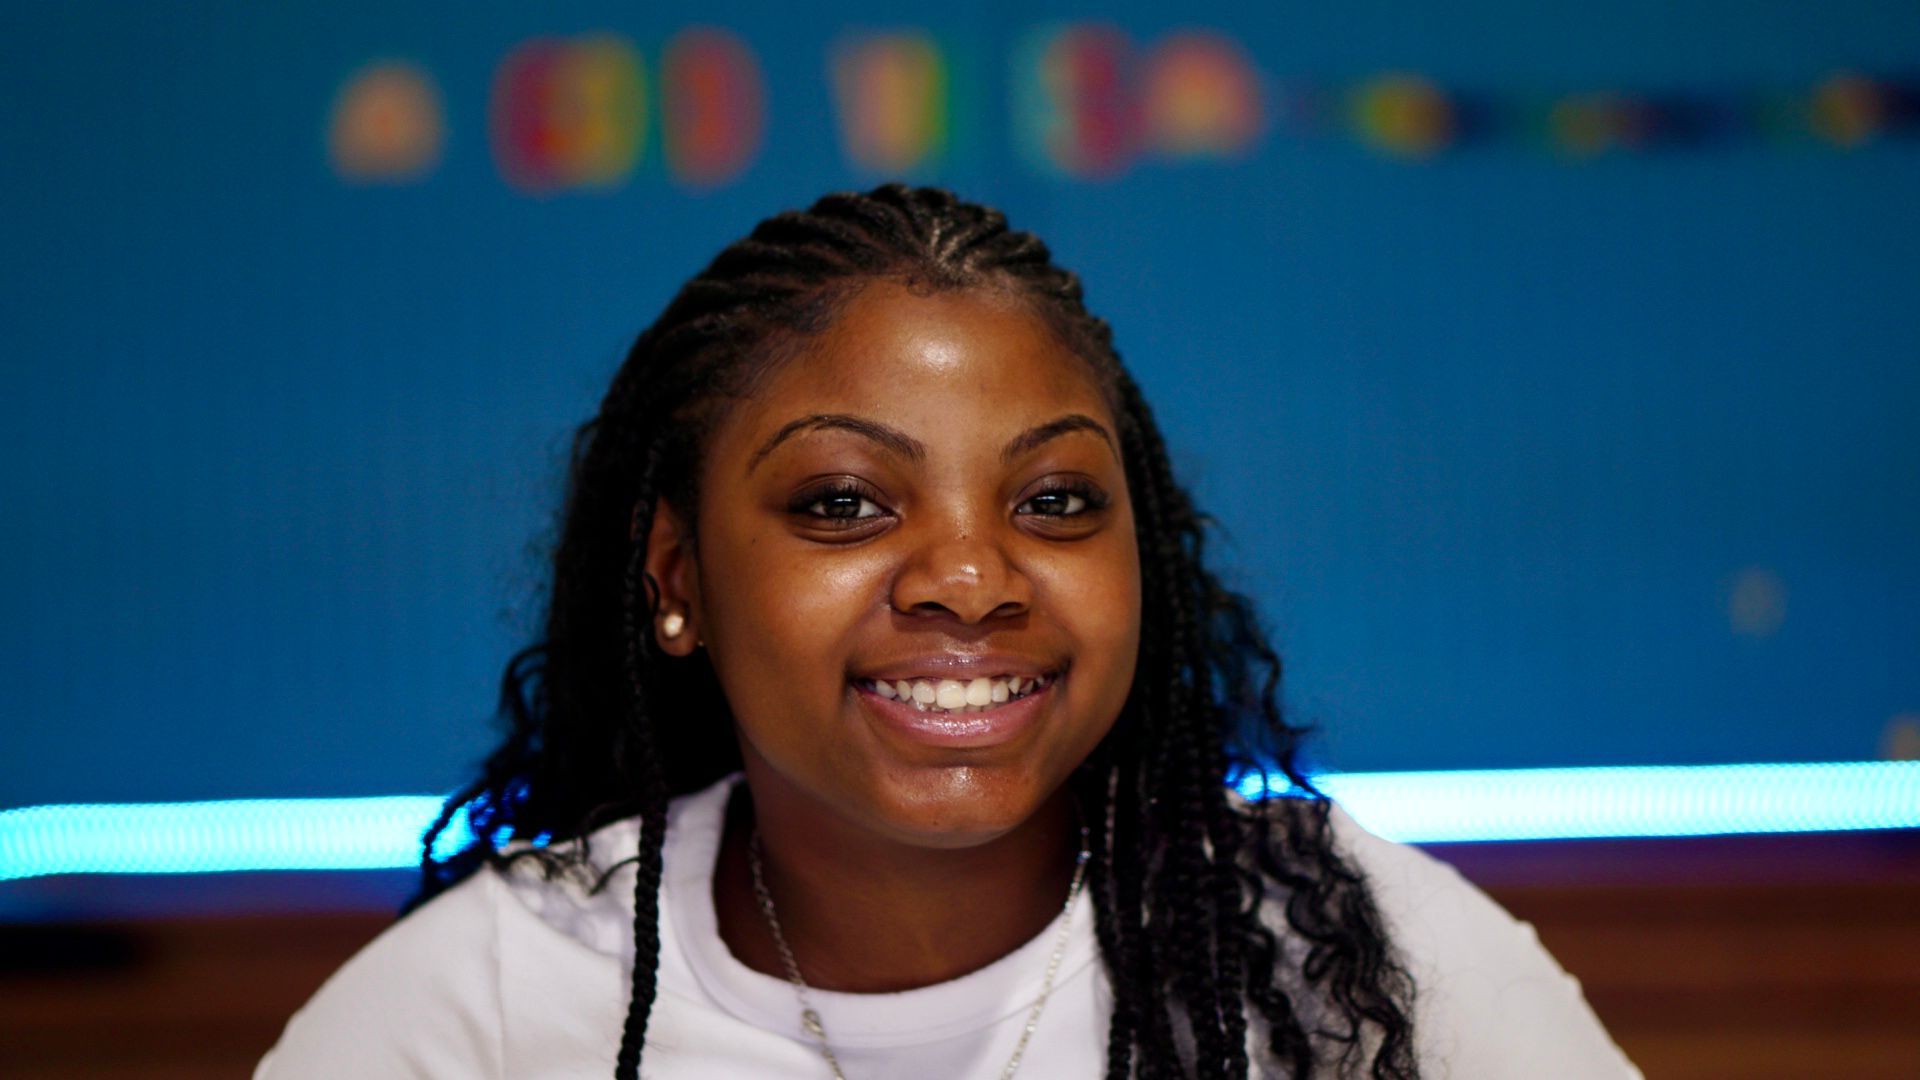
933	798
959	806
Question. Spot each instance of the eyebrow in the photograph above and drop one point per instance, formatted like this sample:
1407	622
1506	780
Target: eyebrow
1053	429
903	445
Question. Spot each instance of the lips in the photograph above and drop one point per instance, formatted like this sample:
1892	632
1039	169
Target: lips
960	667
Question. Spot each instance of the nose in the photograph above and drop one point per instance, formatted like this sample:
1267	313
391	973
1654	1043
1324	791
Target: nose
962	572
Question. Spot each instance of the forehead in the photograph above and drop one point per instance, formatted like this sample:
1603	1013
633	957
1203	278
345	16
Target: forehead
926	361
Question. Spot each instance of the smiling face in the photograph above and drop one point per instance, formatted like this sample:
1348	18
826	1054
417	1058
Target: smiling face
928	497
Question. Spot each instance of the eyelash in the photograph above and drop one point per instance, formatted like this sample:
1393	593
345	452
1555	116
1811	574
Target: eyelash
804	504
1092	499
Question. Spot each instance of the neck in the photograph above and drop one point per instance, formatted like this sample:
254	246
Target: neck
865	913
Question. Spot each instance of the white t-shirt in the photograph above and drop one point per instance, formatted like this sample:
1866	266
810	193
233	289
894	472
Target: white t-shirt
509	975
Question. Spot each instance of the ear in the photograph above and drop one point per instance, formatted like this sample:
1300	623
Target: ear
670	563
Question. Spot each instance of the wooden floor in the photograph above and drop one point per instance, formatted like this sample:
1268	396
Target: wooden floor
1752	957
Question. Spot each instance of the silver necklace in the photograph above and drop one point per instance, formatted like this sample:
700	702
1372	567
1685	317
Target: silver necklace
810	1019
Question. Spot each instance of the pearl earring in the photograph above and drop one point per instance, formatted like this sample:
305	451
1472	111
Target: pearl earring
672	624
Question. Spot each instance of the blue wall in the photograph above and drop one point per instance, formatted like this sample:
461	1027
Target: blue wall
1530	458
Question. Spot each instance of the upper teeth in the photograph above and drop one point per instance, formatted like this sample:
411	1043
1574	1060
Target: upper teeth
952	695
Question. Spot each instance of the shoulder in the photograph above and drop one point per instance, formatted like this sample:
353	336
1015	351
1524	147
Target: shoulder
526	963
419	1000
1489	1000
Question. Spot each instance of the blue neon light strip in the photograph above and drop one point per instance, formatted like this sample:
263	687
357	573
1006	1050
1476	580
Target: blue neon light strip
1640	801
204	837
1413	807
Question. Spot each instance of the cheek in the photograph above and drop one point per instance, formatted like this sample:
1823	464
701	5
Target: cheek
1120	644
762	583
1124	625
1095	592
813	605
781	623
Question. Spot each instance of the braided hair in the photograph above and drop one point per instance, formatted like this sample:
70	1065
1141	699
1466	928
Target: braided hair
1181	870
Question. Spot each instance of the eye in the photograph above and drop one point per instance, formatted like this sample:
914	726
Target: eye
843	507
1068	498
1058	503
839	506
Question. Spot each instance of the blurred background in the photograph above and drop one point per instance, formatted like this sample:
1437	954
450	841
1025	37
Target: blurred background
1553	372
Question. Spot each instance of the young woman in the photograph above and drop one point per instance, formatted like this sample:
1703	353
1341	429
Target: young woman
881	728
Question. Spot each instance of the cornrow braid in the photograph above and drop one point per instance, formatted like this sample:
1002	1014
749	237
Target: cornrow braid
653	797
1186	882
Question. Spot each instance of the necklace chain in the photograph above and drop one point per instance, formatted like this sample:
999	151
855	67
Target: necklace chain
810	1017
